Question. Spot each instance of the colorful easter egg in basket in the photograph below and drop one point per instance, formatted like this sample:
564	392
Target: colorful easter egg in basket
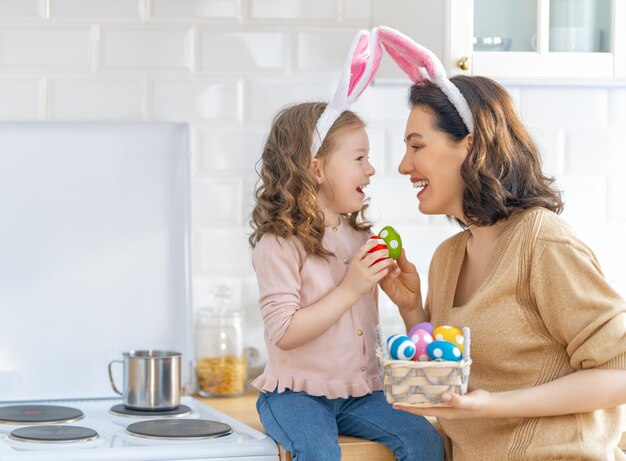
444	350
422	326
421	339
449	333
401	347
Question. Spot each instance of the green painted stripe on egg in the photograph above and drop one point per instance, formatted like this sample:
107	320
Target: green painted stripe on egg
393	241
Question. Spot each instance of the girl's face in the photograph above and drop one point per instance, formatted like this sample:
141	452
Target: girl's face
343	174
433	163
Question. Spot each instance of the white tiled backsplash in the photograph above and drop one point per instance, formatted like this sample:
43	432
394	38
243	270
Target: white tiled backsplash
227	66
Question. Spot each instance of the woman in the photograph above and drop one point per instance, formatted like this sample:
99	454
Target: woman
548	332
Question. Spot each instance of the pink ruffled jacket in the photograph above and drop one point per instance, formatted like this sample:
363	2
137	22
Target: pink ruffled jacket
342	361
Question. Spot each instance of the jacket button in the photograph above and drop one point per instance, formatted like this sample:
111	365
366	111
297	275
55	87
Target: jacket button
335	228
363	368
346	261
359	332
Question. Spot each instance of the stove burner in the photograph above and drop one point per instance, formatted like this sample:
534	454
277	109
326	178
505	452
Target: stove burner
121	409
38	414
179	429
53	434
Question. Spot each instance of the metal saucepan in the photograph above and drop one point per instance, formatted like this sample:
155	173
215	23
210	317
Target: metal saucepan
151	379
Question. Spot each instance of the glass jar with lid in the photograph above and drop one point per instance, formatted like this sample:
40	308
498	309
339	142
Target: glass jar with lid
220	356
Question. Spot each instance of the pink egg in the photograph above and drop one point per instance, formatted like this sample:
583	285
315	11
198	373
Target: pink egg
422	339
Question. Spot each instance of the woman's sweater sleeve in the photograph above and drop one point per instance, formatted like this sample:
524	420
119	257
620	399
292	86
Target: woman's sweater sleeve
277	264
578	307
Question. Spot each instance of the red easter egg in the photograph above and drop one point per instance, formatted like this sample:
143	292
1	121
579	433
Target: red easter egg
381	246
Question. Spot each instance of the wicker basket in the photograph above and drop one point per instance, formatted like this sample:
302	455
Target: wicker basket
420	384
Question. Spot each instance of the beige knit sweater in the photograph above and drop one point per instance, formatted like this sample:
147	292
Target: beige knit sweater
542	311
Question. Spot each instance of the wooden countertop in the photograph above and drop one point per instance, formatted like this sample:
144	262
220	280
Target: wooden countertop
243	408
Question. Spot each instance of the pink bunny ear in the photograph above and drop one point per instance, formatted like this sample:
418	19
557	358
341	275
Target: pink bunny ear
364	65
359	60
358	71
421	64
410	56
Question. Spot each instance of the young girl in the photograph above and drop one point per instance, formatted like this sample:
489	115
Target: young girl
317	286
548	332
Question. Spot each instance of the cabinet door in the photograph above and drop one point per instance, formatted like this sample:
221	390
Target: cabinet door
532	38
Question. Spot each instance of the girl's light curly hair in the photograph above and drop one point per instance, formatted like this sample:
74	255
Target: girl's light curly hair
285	196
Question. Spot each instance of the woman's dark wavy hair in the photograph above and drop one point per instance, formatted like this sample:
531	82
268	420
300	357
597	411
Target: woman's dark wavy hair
286	195
502	171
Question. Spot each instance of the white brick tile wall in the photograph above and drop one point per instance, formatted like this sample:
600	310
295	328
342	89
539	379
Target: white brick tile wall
222	251
606	242
394	200
554	106
384	103
193	10
194	100
323	49
249	186
250	299
616	199
515	92
377	155
355	11
46	48
143	48
81	98
229	149
595	151
95	9
302	10
20	97
216	202
617	103
22	9
396	146
585	198
550	143
221	51
266	97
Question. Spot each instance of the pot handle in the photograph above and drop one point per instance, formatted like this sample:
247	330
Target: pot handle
111	376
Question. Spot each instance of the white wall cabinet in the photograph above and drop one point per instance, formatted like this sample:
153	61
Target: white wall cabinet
516	39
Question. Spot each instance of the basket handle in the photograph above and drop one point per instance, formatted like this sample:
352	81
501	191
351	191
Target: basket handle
466	344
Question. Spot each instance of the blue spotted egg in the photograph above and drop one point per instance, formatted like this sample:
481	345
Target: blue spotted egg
444	350
401	347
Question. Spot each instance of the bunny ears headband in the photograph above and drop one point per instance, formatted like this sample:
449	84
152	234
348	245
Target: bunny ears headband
419	63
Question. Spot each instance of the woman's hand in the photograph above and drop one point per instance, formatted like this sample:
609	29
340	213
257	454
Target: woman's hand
363	274
476	404
402	284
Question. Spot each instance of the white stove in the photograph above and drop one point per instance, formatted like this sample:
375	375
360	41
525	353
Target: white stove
115	443
96	261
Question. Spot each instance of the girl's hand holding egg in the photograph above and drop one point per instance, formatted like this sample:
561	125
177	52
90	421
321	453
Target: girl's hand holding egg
379	246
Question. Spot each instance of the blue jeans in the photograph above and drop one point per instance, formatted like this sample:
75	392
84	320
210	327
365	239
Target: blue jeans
308	426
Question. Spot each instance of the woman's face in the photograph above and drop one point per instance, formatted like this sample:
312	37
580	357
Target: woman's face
433	163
